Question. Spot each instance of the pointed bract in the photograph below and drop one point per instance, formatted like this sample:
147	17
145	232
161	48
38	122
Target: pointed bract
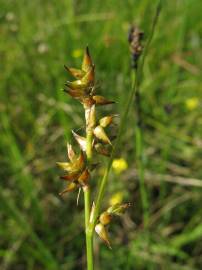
74	93
76	85
101	135
90	116
80	140
70	152
69	177
72	186
66	166
105	121
88	79
103	234
77	73
87	61
100	100
84	177
78	163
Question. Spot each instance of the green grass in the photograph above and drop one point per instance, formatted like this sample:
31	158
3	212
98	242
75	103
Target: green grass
38	229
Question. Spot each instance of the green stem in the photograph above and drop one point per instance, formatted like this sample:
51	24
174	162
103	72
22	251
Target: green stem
140	168
86	190
89	234
138	132
87	202
89	246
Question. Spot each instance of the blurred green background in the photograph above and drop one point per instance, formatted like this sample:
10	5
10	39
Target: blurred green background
38	229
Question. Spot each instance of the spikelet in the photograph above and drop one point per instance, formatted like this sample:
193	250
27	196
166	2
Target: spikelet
103	233
101	135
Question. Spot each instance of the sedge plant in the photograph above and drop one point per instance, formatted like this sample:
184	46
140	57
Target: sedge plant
78	169
96	141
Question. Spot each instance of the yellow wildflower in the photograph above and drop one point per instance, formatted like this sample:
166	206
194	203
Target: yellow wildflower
192	103
119	165
77	53
116	198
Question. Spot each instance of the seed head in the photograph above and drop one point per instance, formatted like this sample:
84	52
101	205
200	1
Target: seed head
135	40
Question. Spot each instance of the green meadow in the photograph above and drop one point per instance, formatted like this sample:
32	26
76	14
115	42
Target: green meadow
40	230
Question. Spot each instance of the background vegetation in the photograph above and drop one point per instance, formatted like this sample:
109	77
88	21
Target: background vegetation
40	230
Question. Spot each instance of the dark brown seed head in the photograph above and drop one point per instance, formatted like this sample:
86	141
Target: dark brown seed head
135	40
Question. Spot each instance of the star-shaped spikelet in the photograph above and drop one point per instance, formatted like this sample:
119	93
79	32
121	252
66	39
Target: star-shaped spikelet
77	174
83	88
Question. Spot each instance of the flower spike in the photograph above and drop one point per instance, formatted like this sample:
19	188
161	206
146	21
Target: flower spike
78	167
77	174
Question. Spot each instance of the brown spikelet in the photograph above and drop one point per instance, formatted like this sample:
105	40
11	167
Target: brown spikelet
103	233
100	100
87	61
101	135
77	73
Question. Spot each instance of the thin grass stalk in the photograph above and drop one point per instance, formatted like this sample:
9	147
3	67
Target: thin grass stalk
87	203
89	235
141	173
139	132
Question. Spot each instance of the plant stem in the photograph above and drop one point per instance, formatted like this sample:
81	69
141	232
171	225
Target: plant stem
139	157
138	130
86	190
87	201
140	168
89	234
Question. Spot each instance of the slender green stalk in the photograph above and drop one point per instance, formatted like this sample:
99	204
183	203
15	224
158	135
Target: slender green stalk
89	249
86	191
140	167
139	157
138	131
89	235
87	203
